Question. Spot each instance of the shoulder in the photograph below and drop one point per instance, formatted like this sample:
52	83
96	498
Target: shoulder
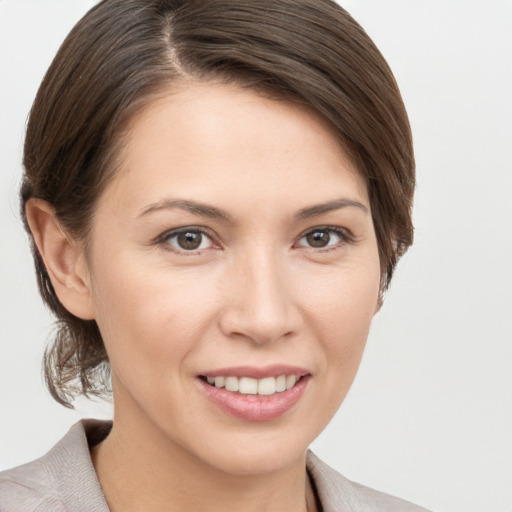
63	479
338	493
28	487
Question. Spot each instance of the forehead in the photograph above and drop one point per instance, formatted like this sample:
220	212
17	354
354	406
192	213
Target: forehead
209	137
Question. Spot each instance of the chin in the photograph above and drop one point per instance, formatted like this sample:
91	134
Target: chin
253	455
252	464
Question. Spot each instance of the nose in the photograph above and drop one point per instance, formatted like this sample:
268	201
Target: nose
260	304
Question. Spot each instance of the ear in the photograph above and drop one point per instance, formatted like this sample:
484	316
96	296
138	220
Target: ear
63	259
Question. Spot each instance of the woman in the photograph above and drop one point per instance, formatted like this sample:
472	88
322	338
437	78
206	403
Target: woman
218	194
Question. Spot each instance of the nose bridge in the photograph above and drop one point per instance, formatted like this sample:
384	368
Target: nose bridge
263	308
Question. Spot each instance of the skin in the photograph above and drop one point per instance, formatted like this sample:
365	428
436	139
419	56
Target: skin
255	293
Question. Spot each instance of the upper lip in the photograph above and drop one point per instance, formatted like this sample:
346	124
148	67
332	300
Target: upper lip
274	370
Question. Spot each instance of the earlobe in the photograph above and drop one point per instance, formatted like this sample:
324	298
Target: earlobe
63	259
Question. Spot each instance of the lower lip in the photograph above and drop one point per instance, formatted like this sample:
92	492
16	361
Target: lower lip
255	407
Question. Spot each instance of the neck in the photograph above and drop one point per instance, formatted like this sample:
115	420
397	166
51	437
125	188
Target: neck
141	471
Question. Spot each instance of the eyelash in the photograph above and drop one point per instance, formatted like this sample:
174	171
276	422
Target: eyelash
163	240
344	235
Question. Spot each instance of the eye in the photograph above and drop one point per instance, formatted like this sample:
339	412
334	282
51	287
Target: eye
187	240
323	238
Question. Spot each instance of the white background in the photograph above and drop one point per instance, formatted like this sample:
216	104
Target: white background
429	417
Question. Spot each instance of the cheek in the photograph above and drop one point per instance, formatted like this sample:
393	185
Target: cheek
150	316
344	299
341	309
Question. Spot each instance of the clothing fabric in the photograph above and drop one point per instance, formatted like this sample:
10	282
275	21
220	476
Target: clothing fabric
64	480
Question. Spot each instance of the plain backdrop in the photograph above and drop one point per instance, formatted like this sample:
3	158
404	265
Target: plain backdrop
429	417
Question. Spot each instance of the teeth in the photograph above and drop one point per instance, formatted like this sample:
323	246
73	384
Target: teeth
231	384
248	386
290	381
267	386
281	383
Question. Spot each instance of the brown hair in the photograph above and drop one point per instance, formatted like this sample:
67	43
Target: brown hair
124	52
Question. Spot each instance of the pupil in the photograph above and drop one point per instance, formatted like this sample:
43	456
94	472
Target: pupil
189	240
318	238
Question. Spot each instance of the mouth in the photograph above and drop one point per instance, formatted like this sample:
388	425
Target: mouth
266	386
255	395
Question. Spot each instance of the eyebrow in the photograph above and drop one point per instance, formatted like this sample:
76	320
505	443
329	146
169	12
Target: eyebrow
336	204
204	210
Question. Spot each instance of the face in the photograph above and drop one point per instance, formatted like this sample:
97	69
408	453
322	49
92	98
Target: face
233	250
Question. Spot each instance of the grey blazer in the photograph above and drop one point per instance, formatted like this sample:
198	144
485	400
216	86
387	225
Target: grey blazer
64	480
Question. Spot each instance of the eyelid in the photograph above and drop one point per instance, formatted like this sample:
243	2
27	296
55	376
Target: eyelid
344	233
164	237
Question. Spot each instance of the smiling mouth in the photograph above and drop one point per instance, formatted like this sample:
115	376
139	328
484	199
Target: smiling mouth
253	394
248	386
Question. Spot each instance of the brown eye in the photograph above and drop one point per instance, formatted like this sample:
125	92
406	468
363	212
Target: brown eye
186	240
324	238
319	238
190	240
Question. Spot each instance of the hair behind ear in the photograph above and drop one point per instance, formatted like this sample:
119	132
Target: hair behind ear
64	282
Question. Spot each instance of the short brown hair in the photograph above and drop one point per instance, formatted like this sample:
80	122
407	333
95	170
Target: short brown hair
124	52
